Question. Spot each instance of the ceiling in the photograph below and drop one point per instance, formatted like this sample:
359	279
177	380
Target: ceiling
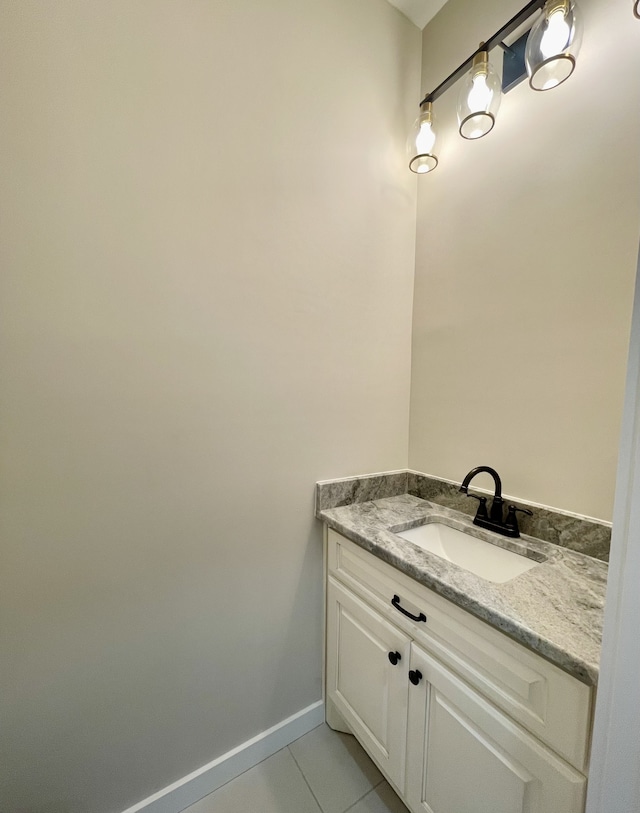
419	11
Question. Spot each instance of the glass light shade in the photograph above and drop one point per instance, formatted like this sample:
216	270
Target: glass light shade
421	142
479	99
636	9
553	44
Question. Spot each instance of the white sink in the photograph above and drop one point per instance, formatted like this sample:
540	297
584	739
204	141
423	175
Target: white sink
482	558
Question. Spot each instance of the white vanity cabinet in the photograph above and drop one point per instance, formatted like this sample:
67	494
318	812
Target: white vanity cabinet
459	717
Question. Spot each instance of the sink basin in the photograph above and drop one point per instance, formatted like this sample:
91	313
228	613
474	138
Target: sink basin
493	563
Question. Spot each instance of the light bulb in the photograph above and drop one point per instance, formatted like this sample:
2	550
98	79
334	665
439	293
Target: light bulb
480	94
556	37
426	138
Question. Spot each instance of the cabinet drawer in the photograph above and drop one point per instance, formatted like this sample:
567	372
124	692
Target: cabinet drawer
550	703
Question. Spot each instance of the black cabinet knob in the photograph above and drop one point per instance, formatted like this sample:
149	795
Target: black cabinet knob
394	657
415	676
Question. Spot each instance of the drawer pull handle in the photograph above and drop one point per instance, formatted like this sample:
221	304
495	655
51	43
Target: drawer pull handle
396	603
415	676
394	657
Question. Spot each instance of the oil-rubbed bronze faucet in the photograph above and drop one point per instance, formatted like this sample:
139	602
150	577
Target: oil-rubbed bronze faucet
493	520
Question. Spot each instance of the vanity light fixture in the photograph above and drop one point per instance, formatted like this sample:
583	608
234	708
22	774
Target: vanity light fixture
549	56
479	98
636	9
553	44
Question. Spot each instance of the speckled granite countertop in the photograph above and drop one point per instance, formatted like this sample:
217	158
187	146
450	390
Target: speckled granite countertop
555	609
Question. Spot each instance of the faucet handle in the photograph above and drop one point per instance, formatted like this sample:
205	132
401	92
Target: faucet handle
514	508
481	513
512	521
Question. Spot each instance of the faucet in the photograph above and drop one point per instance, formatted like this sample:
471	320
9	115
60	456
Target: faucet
493	520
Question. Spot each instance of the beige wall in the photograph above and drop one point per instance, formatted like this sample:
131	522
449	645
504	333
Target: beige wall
526	249
207	269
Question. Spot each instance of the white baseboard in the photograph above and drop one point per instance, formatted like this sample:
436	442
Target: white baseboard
188	790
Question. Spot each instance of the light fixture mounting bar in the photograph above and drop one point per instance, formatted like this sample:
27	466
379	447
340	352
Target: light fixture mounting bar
491	42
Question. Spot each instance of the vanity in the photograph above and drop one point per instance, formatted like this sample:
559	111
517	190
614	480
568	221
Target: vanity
471	695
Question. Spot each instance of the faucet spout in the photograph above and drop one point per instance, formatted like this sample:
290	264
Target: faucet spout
478	469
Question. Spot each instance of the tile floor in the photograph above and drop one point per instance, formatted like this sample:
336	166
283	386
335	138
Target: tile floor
322	772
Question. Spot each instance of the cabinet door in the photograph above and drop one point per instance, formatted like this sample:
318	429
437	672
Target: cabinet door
368	687
465	756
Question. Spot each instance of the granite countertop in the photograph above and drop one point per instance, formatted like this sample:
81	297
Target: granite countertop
555	609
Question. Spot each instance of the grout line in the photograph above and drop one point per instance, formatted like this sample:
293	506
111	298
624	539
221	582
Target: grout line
381	782
357	802
305	778
365	794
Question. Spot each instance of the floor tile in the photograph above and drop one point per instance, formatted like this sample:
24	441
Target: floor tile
338	770
381	799
274	786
